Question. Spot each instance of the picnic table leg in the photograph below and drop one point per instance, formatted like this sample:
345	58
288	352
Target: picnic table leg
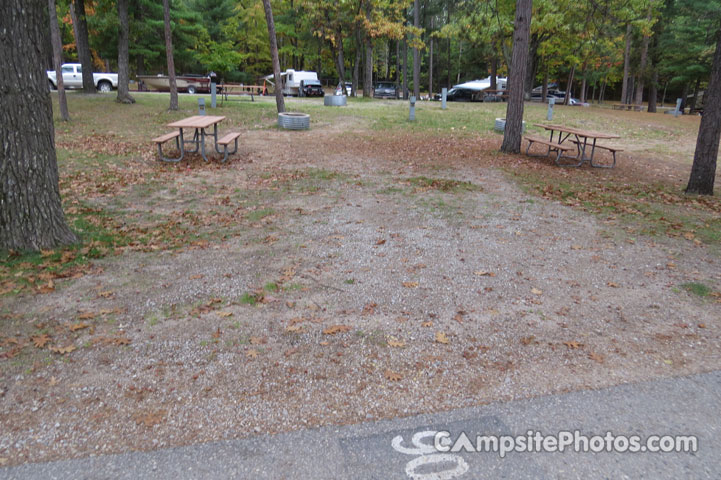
215	136
202	144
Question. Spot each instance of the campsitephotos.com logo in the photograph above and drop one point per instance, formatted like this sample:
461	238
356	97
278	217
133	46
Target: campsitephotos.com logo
533	441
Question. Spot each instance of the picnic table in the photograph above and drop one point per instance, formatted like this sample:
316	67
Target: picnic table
627	106
199	123
582	139
237	89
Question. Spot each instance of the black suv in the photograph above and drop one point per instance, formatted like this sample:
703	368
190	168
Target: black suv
311	88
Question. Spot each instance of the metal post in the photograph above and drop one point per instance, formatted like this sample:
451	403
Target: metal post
677	112
201	106
551	103
213	89
412	114
444	95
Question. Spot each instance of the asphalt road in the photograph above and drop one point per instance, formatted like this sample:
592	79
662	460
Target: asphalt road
386	450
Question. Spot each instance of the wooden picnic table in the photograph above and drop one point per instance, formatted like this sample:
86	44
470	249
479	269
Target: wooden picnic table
199	123
238	89
580	138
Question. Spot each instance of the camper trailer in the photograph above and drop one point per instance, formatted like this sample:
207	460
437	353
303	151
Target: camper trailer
291	80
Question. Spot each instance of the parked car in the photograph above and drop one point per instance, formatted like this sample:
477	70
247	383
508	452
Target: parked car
456	94
348	88
385	90
311	88
73	78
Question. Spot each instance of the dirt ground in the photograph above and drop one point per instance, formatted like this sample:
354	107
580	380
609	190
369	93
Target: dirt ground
361	278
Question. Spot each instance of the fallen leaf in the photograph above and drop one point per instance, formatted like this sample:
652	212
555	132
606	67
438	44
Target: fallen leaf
427	324
78	326
149	419
395	343
392	376
224	314
701	325
196	277
528	340
332	330
668	362
62	350
295	328
252	353
576	247
41	340
369	308
47	288
442	338
536	291
612	284
410	284
573	345
596	357
381	241
484	273
106	294
217	333
258	340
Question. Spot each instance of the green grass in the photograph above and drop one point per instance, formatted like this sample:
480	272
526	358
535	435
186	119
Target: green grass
258	215
442	184
697	288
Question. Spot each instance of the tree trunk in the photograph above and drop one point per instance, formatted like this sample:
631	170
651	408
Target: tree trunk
368	70
58	60
626	64
430	65
279	100
169	56
569	86
460	55
83	45
449	13
703	171
416	54
643	63
544	88
31	214
532	66
339	58
494	73
398	67
356	65
584	72
405	69
514	111
692	106
123	56
653	93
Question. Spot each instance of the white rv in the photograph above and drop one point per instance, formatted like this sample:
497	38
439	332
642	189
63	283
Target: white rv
291	80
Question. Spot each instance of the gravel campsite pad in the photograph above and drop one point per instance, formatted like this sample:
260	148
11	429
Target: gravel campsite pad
353	280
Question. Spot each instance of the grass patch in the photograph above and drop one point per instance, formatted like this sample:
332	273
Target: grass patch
258	215
697	288
443	185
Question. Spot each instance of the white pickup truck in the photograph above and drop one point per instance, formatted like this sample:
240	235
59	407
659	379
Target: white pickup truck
73	78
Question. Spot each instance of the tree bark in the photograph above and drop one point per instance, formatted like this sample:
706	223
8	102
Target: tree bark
169	56
535	42
642	66
494	73
514	111
31	214
339	58
368	70
569	86
405	69
626	65
58	60
416	54
279	100
356	64
653	93
83	46
703	171
123	55
430	64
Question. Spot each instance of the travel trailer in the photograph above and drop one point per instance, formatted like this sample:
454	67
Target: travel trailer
291	80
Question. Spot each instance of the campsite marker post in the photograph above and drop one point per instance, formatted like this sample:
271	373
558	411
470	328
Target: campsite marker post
412	114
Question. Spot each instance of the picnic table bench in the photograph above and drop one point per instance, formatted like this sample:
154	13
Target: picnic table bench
199	124
627	106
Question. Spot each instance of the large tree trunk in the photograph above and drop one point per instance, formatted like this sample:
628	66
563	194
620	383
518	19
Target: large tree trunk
703	171
692	106
494	73
339	58
569	86
643	63
83	45
169	56
626	65
356	64
430	65
123	56
653	92
279	100
368	70
514	111
31	214
405	69
416	54
58	60
398	67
